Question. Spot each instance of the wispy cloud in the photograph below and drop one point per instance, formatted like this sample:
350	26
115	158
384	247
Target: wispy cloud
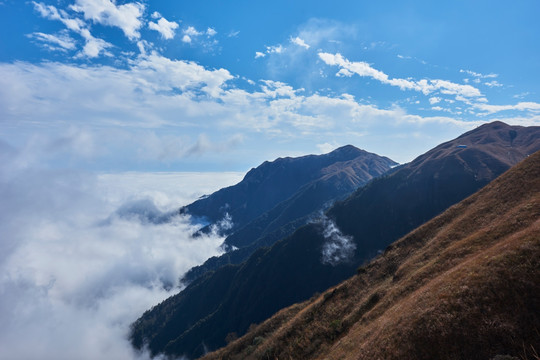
478	75
360	68
521	106
493	83
60	42
128	17
93	47
233	33
337	248
300	42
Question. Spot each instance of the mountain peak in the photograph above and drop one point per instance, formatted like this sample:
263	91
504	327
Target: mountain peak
271	182
347	149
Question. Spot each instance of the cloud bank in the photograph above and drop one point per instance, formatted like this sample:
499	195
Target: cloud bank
79	260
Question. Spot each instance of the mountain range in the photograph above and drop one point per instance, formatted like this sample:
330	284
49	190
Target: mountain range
462	286
316	256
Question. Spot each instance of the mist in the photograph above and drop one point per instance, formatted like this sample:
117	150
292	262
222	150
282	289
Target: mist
83	255
337	248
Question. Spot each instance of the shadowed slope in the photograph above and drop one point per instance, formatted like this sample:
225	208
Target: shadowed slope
331	183
267	185
465	285
390	207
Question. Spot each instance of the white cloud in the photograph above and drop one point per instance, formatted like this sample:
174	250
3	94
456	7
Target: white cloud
72	282
493	83
233	34
277	49
347	68
61	42
300	42
191	31
434	100
478	75
93	46
164	27
204	38
128	17
186	38
166	111
259	54
521	106
337	248
521	95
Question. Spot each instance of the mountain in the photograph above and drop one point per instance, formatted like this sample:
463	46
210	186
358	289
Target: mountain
310	184
465	285
269	184
388	209
325	252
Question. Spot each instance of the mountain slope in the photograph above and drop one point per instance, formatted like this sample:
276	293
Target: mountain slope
391	207
336	175
318	255
462	286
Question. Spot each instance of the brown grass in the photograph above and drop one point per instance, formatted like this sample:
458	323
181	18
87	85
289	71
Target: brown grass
465	285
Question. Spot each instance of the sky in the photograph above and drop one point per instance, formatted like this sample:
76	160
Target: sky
115	113
158	85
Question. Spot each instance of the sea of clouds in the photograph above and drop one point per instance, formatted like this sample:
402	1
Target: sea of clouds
82	257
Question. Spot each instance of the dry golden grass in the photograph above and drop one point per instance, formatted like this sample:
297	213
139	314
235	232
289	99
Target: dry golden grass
465	285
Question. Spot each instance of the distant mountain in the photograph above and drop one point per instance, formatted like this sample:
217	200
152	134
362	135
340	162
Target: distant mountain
462	286
272	182
323	253
300	188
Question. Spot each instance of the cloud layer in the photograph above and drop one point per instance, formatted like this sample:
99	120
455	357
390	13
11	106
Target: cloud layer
75	270
159	109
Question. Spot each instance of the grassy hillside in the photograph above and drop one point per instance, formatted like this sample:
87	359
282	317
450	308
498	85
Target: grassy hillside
465	285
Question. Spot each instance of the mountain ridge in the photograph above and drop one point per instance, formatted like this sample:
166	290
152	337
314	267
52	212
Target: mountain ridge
272	182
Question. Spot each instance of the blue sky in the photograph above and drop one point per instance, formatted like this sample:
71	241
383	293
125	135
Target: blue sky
107	86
